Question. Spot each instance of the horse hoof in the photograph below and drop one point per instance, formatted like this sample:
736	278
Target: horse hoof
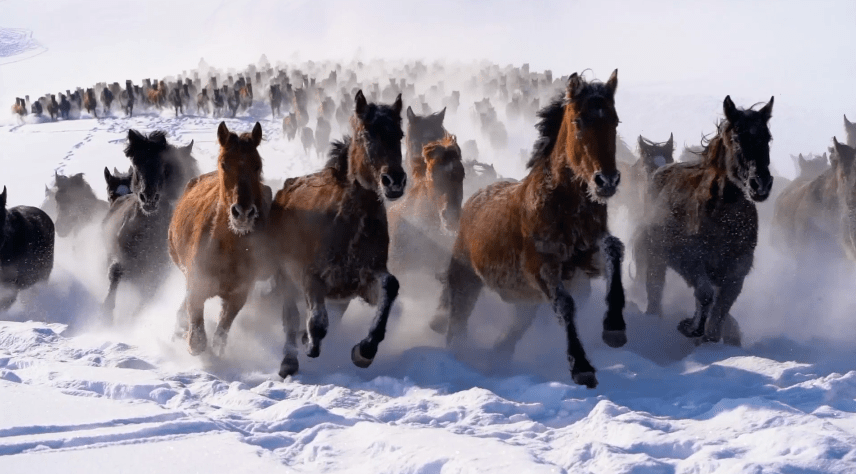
686	328
288	366
359	359
615	339
439	325
197	342
585	378
313	349
218	344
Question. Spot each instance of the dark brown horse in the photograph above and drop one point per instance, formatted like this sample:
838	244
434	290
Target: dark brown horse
89	102
422	225
525	240
702	222
652	156
330	231
819	215
421	130
76	204
214	236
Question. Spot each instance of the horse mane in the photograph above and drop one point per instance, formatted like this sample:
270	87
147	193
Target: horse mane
382	119
338	161
548	130
448	141
155	142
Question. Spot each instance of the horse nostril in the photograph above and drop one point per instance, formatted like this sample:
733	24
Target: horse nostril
404	181
252	212
617	178
598	180
236	211
385	180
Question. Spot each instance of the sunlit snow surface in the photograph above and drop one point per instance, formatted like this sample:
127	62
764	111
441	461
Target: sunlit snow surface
75	397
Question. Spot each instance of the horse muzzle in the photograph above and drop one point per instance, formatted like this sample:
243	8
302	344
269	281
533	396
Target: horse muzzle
242	219
393	188
606	185
759	188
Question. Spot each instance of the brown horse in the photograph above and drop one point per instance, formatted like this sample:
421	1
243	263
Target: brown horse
820	214
702	222
525	240
330	231
214	236
89	102
157	95
421	130
422	225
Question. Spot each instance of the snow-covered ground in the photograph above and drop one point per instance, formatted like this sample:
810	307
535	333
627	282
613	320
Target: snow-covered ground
76	397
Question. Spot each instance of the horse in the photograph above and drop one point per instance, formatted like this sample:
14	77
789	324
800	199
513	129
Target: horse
421	130
76	204
233	101
118	184
423	224
307	139
26	249
89	102
850	128
322	136
275	97
300	107
701	221
20	107
177	100
652	156
53	108
811	167
329	232
127	98
202	102
157	95
106	99
137	224
37	108
64	106
819	214
218	103
525	240
289	126
216	237
179	168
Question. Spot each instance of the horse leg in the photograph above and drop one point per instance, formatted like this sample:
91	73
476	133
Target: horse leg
524	314
704	295
725	298
181	324
197	340
8	301
614	327
655	281
383	293
461	289
114	274
232	304
317	322
290	323
582	371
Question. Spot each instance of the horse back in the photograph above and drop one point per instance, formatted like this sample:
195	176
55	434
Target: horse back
28	254
193	218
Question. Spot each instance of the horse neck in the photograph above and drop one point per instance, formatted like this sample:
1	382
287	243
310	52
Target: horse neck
551	178
359	173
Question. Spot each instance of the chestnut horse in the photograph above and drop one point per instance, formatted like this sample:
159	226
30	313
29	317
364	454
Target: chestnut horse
525	240
330	231
214	236
422	225
702	222
820	214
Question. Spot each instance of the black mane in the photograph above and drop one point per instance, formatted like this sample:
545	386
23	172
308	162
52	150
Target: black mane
338	161
548	130
154	142
382	122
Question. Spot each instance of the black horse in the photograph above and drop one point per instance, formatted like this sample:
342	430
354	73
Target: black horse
118	183
136	226
76	204
26	249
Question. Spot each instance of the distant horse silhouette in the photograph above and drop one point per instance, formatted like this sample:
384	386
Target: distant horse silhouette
203	102
289	126
76	203
702	222
322	136
106	99
652	156
89	102
525	240
329	230
216	237
118	184
421	130
275	97
26	249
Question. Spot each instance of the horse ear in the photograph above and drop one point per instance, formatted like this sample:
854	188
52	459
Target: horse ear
671	142
640	141
847	123
223	134
257	134
767	110
442	114
729	109
189	147
134	137
107	176
801	161
3	199
397	106
361	103
612	82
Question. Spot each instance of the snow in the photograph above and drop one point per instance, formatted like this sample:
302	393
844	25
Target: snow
78	397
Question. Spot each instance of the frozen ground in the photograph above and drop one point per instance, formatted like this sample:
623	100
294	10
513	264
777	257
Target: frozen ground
75	397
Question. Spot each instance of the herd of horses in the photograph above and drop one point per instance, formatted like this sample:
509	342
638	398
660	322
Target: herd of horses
370	213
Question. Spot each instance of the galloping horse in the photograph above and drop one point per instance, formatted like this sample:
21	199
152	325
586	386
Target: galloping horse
330	231
525	240
214	236
702	221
